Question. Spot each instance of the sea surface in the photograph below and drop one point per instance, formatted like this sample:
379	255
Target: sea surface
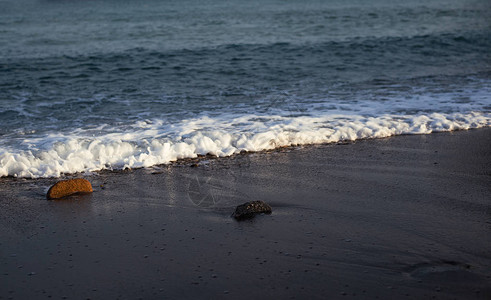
91	85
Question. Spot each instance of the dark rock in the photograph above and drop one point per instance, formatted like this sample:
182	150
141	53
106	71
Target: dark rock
69	187
250	209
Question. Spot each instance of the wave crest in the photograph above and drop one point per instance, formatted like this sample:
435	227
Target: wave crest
156	142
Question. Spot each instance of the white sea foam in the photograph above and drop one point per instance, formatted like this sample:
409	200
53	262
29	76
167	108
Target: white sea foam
153	142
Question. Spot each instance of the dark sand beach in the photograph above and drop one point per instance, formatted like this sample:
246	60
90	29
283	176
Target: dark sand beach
407	217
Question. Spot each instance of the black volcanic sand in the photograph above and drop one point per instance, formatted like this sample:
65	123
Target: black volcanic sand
403	217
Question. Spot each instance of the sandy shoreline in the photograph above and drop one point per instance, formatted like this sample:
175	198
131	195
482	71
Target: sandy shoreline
407	216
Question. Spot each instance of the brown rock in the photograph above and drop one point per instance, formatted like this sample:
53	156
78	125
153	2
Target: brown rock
250	209
69	187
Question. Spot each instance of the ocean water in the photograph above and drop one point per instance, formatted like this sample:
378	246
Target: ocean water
91	85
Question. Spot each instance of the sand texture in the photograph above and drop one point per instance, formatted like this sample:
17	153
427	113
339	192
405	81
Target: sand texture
407	217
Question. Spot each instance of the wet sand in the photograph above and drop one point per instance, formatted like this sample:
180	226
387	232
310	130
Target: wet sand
403	217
